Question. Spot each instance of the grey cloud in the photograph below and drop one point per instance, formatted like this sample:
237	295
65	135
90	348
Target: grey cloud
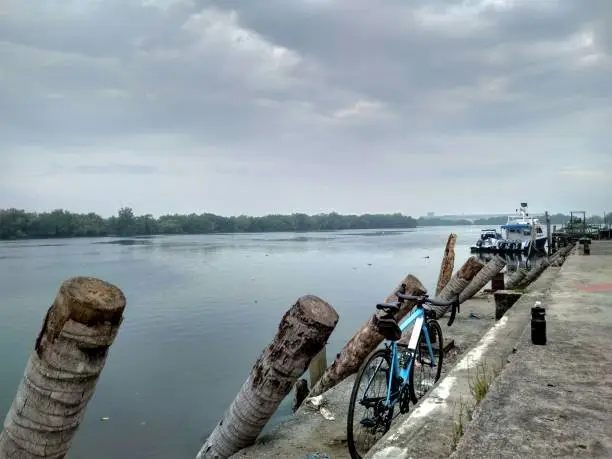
130	169
335	90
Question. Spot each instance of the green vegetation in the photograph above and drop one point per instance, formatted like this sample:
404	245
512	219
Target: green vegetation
436	221
482	382
556	219
19	224
479	387
462	419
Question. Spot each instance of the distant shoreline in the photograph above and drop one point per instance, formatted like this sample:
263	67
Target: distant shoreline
18	224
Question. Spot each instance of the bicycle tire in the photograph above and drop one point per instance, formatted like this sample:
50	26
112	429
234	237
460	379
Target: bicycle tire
385	354
434	328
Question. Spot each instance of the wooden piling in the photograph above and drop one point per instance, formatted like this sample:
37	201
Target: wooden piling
364	341
448	263
548	234
534	273
302	334
63	369
493	267
458	283
317	367
515	278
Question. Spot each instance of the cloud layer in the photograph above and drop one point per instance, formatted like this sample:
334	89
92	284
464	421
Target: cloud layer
237	106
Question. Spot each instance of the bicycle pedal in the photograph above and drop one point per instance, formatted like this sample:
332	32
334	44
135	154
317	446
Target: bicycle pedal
368	422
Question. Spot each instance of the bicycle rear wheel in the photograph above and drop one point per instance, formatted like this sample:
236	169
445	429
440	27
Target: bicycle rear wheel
368	419
424	372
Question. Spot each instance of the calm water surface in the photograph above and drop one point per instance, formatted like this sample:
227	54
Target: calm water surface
200	310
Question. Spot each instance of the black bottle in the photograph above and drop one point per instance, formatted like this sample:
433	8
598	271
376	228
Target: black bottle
538	324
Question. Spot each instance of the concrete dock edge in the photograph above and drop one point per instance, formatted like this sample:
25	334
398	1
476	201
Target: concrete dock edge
429	430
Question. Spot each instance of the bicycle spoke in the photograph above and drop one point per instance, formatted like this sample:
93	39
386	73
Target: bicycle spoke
370	415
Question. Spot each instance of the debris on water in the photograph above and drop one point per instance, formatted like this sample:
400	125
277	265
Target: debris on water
427	256
369	264
473	315
104	418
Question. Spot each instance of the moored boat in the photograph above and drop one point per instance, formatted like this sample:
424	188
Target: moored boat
521	233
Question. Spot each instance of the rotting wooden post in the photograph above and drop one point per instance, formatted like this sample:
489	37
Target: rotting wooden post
562	252
515	279
494	266
548	234
534	273
458	283
559	257
448	263
364	341
63	369
302	333
317	367
504	300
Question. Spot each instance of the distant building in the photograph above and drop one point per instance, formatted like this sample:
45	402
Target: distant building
430	214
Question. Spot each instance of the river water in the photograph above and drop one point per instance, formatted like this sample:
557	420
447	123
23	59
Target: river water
200	310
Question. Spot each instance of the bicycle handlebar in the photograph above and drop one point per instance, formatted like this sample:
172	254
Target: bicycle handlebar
424	299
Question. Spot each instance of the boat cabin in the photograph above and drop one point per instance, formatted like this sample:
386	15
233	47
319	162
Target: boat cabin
490	234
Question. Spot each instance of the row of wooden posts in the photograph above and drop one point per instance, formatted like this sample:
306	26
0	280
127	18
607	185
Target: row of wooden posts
82	323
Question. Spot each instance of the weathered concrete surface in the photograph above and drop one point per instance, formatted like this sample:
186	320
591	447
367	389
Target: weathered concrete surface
308	432
428	430
556	400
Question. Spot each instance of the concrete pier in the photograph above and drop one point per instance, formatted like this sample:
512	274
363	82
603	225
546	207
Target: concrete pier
556	400
430	429
542	401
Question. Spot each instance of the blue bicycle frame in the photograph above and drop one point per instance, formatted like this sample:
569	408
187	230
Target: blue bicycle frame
418	318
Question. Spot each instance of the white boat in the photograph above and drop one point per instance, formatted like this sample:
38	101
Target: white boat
521	233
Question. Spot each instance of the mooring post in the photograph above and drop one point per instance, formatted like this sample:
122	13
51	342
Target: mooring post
483	275
317	367
364	341
548	234
302	334
448	263
63	369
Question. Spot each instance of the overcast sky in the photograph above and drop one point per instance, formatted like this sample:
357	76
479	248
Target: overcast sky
280	106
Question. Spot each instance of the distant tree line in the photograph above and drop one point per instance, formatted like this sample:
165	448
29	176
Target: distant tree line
555	219
19	224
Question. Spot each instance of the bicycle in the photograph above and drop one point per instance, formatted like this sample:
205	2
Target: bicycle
401	361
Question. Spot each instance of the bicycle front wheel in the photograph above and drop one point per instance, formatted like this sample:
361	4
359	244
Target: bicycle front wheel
368	418
425	370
